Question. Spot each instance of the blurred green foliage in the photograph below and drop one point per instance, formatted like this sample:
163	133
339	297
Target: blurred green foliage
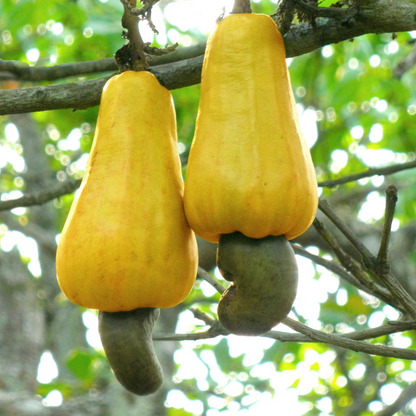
351	89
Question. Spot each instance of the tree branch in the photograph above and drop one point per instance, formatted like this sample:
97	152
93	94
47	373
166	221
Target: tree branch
362	283
202	274
405	397
351	341
343	342
375	16
355	268
406	64
382	273
391	200
388	170
23	72
381	16
361	335
67	189
41	197
337	13
85	94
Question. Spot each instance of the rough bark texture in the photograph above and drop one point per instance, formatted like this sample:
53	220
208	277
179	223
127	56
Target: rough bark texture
372	16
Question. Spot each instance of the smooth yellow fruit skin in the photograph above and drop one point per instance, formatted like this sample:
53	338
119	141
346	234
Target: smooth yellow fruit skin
126	243
249	168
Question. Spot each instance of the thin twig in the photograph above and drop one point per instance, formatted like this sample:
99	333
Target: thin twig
355	268
363	283
351	341
391	200
202	316
343	342
368	258
337	13
388	170
383	274
390	328
405	397
213	331
41	197
202	274
406	64
347	341
360	335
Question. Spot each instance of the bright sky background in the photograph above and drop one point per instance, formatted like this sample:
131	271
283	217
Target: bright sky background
201	15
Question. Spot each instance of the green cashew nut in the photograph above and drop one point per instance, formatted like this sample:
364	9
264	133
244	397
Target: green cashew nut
264	274
127	342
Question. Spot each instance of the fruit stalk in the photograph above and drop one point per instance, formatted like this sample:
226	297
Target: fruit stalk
241	6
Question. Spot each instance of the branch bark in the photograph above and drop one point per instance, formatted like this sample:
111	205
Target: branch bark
17	70
372	16
352	341
383	171
408	394
85	94
382	273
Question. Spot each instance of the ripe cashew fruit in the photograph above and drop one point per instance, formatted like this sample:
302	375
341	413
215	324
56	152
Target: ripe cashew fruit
249	167
264	276
127	342
126	243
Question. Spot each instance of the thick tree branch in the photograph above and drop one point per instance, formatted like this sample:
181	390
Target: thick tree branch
85	94
22	72
376	16
373	16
